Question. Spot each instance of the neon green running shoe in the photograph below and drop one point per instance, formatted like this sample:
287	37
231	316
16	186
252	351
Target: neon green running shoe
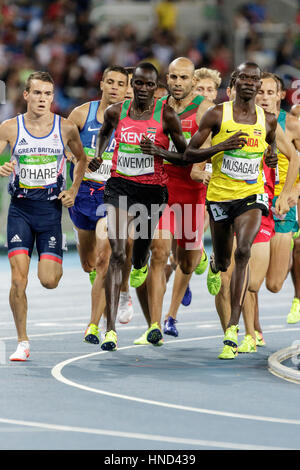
201	268
142	340
213	281
228	352
248	345
294	315
231	336
92	276
91	334
260	342
110	341
138	276
296	234
154	334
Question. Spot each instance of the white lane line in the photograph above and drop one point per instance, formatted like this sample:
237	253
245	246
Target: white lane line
57	374
140	436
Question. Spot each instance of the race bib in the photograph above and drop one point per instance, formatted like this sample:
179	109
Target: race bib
263	199
131	162
241	167
37	171
103	172
208	167
217	212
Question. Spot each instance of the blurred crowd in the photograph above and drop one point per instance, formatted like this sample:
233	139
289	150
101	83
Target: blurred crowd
60	37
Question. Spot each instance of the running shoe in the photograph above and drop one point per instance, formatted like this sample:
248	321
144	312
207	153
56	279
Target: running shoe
170	328
294	314
22	352
248	345
125	309
92	276
231	336
187	298
154	334
213	281
228	352
138	276
142	340
110	341
201	268
91	334
260	342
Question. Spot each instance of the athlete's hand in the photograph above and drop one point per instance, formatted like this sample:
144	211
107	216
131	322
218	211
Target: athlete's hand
271	158
95	163
293	197
148	147
236	141
206	177
282	204
7	168
67	197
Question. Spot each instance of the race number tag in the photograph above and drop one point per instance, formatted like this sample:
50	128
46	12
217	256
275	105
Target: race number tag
37	171
103	172
217	212
263	199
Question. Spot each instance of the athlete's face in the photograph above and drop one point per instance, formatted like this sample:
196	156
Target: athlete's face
129	92
180	80
206	87
248	82
39	97
144	84
268	95
114	87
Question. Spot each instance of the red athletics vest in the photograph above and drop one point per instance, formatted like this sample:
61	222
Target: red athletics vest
189	128
128	160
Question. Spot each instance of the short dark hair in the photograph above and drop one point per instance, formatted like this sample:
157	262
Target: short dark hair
115	68
146	66
266	75
43	76
248	64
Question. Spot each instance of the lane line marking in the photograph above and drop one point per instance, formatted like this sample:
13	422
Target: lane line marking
140	436
57	374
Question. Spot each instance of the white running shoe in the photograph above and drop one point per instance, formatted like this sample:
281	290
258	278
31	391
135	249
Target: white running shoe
22	352
125	310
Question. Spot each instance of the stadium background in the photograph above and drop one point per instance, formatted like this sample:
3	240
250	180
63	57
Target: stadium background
76	41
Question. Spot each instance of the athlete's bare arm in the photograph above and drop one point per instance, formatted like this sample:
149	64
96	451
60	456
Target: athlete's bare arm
171	127
202	108
78	115
198	172
110	122
71	138
8	136
211	123
295	110
293	130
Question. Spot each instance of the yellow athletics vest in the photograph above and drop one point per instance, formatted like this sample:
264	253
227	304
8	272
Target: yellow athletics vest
237	174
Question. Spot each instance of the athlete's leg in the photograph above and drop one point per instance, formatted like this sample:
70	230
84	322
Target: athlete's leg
117	223
156	282
279	261
258	264
19	265
87	249
222	299
246	227
187	262
49	272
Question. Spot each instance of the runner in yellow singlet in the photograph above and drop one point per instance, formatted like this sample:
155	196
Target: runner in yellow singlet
235	196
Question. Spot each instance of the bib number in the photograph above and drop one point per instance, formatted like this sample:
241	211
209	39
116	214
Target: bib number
263	199
217	212
37	171
134	164
239	168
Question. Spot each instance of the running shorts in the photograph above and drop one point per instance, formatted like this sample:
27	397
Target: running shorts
31	221
288	223
229	210
88	207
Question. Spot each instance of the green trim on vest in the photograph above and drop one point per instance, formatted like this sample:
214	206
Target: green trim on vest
193	105
157	111
124	109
